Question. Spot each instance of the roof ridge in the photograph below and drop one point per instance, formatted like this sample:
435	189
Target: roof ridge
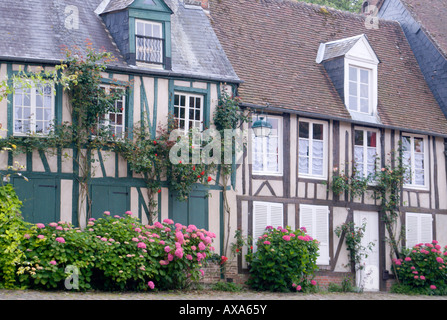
324	9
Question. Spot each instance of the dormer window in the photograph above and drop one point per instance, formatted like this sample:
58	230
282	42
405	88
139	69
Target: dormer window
352	65
141	30
149	42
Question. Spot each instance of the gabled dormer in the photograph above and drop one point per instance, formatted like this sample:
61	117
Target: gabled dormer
351	63
141	29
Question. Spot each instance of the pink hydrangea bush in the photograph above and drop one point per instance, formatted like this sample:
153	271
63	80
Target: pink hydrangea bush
285	260
422	269
117	253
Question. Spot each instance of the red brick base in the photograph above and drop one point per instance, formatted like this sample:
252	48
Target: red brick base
214	273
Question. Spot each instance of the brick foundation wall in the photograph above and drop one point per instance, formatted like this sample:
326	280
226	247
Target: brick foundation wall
213	274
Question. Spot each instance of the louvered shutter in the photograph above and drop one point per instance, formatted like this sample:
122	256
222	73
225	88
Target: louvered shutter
260	219
411	229
265	214
419	228
316	221
276	215
426	228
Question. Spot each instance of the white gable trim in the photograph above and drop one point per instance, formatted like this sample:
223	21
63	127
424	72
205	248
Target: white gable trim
362	52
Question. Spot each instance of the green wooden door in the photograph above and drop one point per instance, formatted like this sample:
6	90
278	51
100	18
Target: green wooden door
194	210
115	199
40	199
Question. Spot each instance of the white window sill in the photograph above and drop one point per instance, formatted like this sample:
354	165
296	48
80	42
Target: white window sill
416	187
307	176
273	174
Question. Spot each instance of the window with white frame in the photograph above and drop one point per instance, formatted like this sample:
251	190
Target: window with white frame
266	214
359	99
114	120
315	220
313	139
366	150
188	110
418	228
267	151
414	158
149	42
33	108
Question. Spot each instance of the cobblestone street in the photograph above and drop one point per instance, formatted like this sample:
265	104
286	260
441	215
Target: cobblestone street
205	295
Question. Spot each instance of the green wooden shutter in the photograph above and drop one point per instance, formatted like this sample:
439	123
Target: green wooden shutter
109	198
193	210
40	199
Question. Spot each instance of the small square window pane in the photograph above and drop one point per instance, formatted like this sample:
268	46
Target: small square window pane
418	145
18	99
364	76
140	28
303	147
317	167
317	149
406	143
47	101
352	88
353	74
358	137
303	165
39	114
148	30
39	101
419	177
176	99
364	105
364	91
27	100
353	103
317	131
372	139
358	154
304	130
156	31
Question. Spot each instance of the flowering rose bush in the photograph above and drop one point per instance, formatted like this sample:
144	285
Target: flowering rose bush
423	268
285	260
114	253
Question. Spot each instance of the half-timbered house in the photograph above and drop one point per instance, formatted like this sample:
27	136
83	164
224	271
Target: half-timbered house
338	94
169	54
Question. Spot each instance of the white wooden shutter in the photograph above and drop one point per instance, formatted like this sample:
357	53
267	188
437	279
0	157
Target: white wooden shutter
276	215
265	214
418	228
426	228
260	219
316	221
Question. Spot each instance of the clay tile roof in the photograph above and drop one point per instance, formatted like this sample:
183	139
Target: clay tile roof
273	45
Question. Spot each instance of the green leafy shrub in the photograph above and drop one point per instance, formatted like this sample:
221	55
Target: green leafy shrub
114	253
285	260
12	230
423	269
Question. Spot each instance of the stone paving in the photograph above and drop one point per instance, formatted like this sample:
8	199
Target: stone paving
204	295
